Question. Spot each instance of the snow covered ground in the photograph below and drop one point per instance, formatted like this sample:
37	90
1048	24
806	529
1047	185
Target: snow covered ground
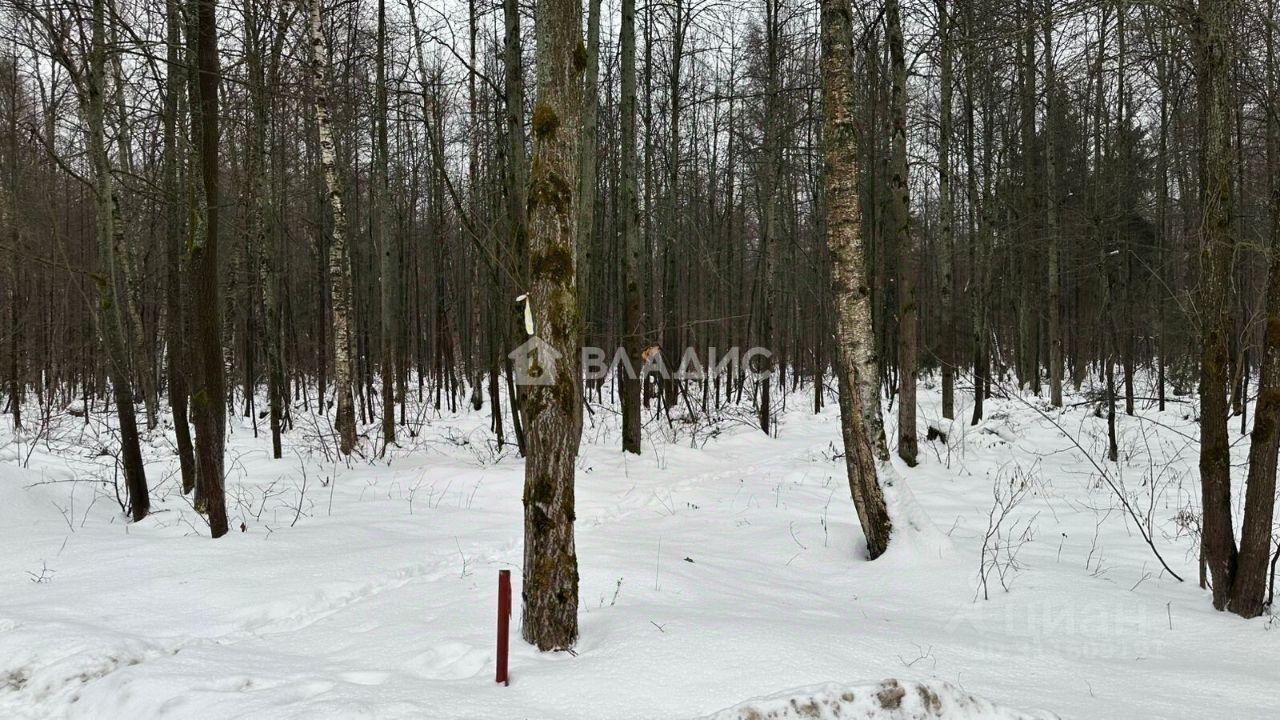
721	565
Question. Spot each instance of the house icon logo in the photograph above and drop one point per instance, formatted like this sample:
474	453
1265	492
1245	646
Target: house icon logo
534	362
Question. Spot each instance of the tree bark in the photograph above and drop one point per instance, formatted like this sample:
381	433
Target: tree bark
770	188
1051	215
209	388
177	362
554	410
845	241
1249	588
261	220
389	287
980	202
515	178
1210	36
946	212
587	159
110	236
9	216
633	280
339	265
900	206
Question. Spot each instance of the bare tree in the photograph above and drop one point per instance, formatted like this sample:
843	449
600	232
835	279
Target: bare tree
86	64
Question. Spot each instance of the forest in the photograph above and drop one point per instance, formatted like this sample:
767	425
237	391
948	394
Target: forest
273	272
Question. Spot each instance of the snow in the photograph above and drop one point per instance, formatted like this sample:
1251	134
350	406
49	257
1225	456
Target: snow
721	565
888	700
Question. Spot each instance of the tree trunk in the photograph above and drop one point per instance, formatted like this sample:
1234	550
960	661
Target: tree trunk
140	345
205	309
389	287
905	240
848	274
515	178
261	231
1249	587
1211	40
1051	216
1028	363
980	202
946	212
9	216
633	329
770	189
110	237
339	266
554	409
587	159
177	358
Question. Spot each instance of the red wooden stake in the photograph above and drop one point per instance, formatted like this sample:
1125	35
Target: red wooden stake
504	623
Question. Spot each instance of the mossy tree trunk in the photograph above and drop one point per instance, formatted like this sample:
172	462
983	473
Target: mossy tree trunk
1249	588
208	389
554	409
1211	42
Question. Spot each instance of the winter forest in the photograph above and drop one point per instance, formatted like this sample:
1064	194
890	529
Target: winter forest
789	358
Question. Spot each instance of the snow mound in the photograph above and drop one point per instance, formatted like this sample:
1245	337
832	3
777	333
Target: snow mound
889	700
915	536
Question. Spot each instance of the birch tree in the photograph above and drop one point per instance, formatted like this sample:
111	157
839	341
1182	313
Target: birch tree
845	241
339	264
